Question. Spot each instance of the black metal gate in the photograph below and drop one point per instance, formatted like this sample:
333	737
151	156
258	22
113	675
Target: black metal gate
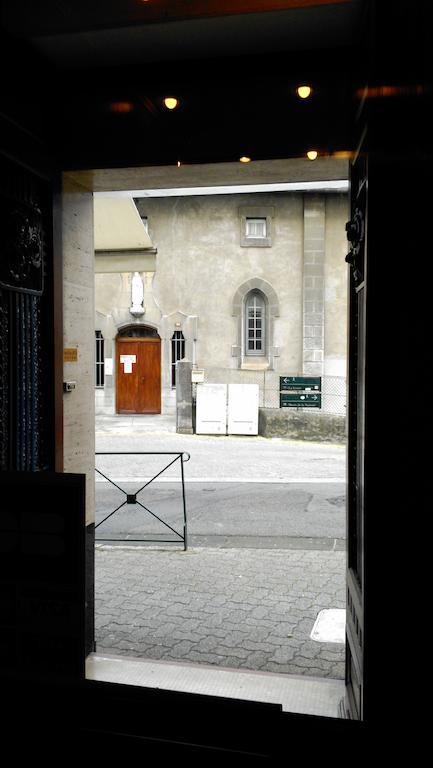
132	498
26	330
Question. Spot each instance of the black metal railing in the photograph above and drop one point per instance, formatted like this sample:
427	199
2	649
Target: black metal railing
131	498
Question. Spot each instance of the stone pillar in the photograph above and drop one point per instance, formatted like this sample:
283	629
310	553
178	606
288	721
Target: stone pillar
79	338
313	285
184	424
79	335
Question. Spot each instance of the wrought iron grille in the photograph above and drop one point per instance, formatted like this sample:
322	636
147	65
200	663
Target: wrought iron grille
177	353
99	360
132	498
333	387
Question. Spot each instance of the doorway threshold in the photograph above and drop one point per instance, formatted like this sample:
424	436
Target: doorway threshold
295	693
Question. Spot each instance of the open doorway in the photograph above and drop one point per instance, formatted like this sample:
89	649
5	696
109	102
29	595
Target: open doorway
267	507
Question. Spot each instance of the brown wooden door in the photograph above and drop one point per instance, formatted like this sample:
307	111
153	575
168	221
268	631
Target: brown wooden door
138	388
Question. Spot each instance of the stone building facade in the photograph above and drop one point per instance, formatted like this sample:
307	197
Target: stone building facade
237	282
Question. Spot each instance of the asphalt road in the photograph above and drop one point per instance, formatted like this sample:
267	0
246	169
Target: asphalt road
309	515
225	458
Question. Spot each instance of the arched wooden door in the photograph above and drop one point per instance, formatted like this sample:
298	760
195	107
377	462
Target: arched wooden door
138	375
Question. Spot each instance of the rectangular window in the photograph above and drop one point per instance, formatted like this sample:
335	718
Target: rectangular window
255	325
255	228
177	353
256	225
99	360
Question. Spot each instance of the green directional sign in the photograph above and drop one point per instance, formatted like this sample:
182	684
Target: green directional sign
300	400
300	382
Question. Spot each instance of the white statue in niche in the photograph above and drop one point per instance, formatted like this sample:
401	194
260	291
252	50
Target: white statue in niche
137	295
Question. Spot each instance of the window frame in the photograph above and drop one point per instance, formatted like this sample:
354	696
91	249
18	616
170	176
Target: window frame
177	346
247	213
251	298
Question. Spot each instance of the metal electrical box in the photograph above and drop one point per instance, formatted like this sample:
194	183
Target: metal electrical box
197	376
211	408
243	409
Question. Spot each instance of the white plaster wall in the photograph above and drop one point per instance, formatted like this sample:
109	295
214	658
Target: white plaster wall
78	332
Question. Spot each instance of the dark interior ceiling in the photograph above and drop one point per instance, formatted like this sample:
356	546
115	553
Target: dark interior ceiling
295	23
104	68
77	35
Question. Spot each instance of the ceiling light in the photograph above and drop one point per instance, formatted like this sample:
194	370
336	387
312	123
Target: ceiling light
121	106
171	102
312	154
244	159
304	91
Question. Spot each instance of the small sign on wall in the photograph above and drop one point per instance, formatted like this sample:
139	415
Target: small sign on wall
127	361
197	375
70	354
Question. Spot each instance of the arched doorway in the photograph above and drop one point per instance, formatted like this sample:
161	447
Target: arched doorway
138	370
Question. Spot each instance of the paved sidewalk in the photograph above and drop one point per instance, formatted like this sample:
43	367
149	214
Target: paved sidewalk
233	608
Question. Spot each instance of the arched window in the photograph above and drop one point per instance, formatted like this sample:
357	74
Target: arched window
138	331
177	353
255	323
99	360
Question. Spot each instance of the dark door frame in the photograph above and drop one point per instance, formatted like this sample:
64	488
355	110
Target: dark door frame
162	722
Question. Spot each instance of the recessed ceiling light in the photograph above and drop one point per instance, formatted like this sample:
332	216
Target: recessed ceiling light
304	91
244	159
312	154
171	102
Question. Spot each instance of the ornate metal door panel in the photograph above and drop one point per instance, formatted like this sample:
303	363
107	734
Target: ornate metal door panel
25	334
356	233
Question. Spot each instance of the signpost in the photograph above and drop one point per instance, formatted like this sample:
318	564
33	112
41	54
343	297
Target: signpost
300	382
300	400
300	392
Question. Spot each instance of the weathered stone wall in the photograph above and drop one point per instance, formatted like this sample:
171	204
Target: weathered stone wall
295	425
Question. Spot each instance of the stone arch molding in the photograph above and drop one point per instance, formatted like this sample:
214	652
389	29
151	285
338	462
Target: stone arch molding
261	285
273	311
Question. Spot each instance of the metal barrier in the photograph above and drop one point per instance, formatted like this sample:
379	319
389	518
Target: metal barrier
132	498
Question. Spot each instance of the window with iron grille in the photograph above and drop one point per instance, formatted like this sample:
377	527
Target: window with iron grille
255	324
177	353
99	360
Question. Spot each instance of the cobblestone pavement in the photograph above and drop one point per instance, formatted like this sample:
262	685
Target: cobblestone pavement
240	608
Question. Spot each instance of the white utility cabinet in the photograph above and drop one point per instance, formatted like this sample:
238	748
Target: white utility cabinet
243	409
211	409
